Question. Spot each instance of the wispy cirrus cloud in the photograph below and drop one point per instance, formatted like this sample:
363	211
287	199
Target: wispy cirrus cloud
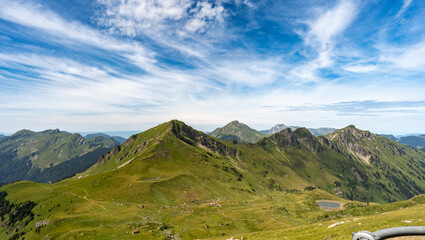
34	15
361	68
365	107
321	37
406	4
409	57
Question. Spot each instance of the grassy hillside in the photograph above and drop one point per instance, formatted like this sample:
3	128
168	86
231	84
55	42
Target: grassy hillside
237	131
355	217
50	155
394	169
173	182
72	211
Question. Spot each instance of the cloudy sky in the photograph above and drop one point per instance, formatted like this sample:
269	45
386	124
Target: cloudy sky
107	65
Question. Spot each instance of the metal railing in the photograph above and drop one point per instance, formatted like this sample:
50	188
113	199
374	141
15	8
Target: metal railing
390	233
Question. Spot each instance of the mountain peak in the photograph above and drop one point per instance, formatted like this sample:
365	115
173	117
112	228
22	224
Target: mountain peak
352	130
353	141
173	132
52	131
184	132
238	131
23	132
284	138
303	132
277	128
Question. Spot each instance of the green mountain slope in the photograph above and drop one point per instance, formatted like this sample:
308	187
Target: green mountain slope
50	155
175	182
237	131
355	217
394	169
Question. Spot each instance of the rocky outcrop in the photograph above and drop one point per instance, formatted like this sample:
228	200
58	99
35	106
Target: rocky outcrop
352	141
298	138
193	137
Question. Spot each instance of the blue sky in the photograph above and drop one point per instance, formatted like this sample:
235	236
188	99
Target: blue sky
112	65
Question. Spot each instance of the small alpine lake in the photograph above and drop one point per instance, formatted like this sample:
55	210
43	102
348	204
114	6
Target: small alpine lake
329	205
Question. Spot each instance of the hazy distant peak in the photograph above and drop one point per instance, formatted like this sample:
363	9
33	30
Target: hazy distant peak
277	128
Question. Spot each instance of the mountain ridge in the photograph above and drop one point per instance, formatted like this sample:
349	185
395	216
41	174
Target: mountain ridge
348	150
49	155
173	181
119	139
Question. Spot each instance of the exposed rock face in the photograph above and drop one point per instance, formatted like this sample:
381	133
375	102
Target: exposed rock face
194	137
297	138
109	155
283	138
42	223
350	139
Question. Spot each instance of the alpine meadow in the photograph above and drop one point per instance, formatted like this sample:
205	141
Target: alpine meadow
212	119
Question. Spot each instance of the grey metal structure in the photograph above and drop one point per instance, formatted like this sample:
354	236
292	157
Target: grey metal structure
390	233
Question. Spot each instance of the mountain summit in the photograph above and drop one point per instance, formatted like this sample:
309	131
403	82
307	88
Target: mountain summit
237	131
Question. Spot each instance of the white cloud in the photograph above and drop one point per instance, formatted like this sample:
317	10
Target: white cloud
361	68
322	37
406	4
410	57
203	13
249	72
170	17
35	16
330	24
47	64
170	23
131	16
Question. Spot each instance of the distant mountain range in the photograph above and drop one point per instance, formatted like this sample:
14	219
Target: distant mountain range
119	139
414	141
2	136
240	132
181	179
49	155
315	131
123	134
